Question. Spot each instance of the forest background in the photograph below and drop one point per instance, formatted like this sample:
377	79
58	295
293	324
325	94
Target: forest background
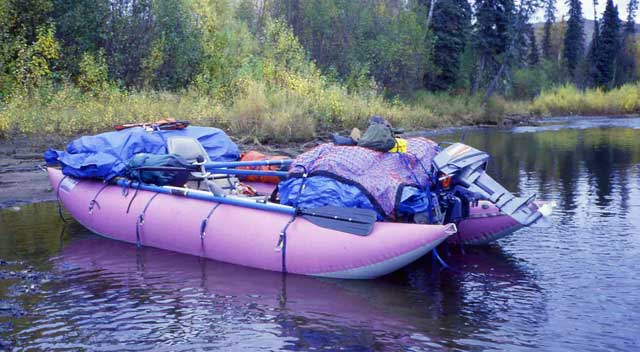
286	70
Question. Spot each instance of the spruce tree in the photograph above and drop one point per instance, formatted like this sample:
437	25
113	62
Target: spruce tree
574	37
626	60
490	36
589	65
589	69
630	25
504	14
450	25
550	18
608	46
533	55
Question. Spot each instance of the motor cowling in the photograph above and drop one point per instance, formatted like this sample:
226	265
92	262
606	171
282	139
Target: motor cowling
467	167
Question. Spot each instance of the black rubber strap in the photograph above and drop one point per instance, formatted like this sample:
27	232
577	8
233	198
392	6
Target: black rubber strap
140	221
205	221
94	201
282	242
58	200
203	225
134	197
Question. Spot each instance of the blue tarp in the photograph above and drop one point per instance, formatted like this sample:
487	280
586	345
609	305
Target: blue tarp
333	192
105	155
413	200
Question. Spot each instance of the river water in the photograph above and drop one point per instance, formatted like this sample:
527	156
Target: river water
570	285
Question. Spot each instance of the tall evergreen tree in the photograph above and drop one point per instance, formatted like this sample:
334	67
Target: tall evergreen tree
533	56
589	65
490	36
607	48
574	37
505	15
589	69
630	25
626	59
450	25
550	18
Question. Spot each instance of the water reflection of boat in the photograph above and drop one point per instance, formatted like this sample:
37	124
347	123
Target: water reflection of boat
483	285
116	262
307	312
108	287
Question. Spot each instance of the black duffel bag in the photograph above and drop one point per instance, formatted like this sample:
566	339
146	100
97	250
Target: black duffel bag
177	170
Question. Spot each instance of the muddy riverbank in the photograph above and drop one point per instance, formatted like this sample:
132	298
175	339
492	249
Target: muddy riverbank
22	180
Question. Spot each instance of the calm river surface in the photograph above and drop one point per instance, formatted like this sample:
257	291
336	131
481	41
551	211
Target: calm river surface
573	285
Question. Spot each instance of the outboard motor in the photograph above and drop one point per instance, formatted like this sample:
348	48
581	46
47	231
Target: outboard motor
467	167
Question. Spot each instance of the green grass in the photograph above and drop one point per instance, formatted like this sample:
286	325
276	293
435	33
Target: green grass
568	100
68	111
266	114
269	114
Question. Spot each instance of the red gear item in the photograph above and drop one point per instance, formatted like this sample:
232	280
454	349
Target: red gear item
254	156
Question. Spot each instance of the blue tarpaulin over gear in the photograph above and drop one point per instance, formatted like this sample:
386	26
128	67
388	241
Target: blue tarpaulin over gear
105	155
333	192
413	200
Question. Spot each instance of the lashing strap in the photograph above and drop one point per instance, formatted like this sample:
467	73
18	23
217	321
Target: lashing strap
437	257
282	243
140	221
58	200
94	201
135	193
203	226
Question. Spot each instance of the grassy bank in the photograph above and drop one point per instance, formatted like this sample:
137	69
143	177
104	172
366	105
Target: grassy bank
271	115
568	100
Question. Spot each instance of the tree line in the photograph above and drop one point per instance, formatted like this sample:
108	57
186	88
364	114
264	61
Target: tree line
397	47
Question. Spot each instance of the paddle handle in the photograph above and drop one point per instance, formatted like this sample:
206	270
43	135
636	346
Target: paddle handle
202	195
223	164
239	172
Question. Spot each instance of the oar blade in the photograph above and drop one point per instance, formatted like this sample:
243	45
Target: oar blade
350	220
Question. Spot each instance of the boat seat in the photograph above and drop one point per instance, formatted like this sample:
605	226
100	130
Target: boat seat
188	148
192	151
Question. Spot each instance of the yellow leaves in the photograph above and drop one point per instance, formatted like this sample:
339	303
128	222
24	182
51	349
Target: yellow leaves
33	62
69	111
46	43
568	100
271	114
4	124
93	72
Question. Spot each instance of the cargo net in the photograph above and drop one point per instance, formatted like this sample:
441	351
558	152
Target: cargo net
380	176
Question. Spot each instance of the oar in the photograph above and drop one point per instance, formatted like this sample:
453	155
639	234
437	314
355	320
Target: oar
223	164
281	174
350	220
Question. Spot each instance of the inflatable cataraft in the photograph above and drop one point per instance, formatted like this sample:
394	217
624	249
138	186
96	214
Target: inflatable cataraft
334	211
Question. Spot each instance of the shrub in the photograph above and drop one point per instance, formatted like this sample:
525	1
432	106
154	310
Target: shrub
271	115
495	110
568	100
68	111
528	83
34	61
93	72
